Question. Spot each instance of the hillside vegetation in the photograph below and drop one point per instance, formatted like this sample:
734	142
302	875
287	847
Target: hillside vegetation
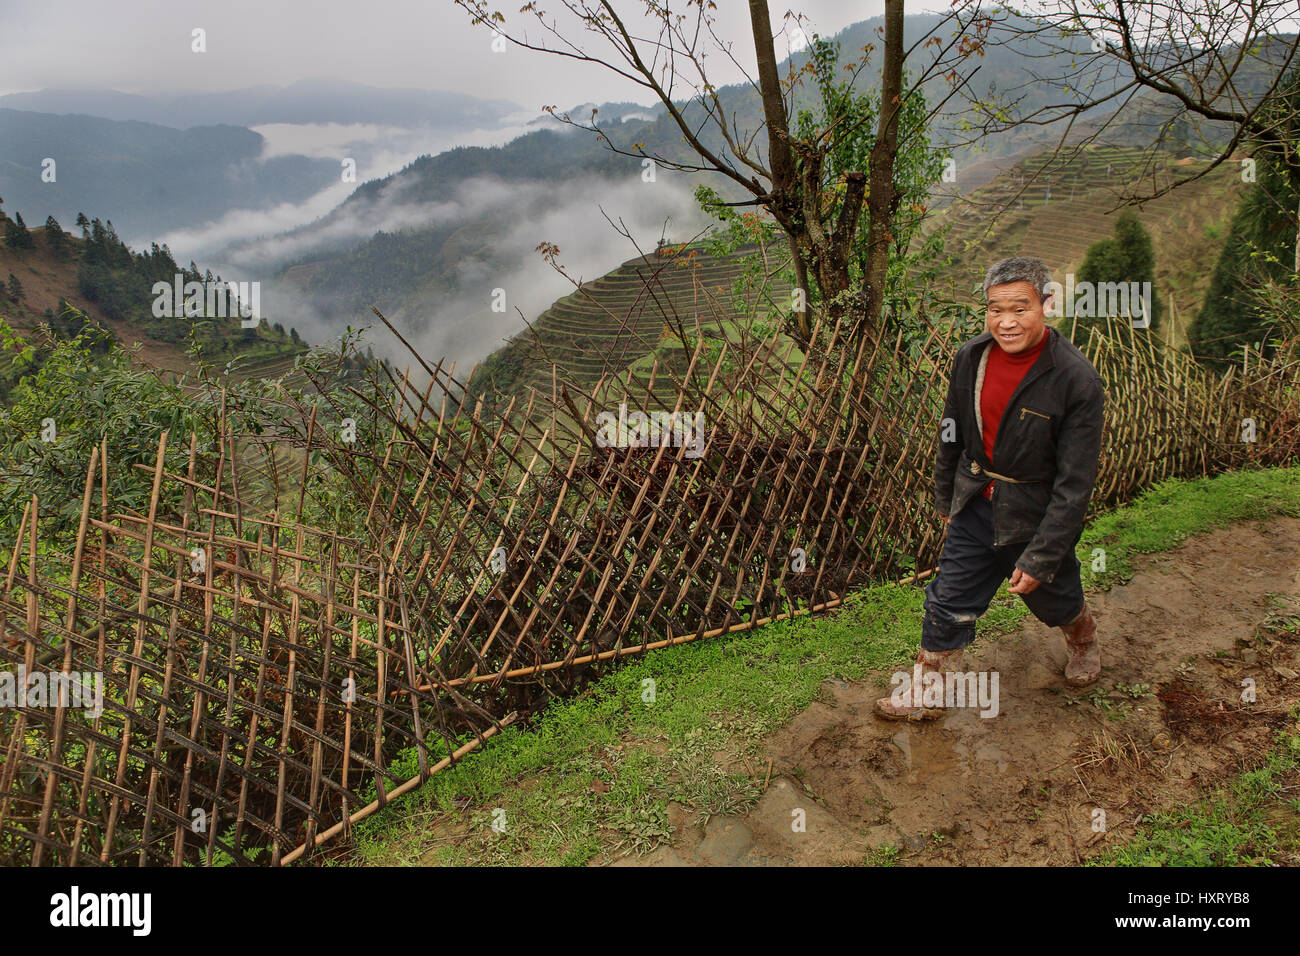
1056	208
104	283
619	325
632	319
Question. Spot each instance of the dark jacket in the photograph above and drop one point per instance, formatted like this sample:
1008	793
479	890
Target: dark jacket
1049	438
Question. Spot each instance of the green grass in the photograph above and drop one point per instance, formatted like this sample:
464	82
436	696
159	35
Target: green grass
597	772
1171	511
729	692
1254	822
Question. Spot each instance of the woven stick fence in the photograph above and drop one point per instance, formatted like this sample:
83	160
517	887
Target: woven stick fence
263	668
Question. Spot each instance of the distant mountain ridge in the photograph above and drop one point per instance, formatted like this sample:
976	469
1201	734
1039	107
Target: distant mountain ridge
153	178
307	101
429	243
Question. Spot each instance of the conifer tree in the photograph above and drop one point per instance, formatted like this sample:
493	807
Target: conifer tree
55	236
16	234
1126	257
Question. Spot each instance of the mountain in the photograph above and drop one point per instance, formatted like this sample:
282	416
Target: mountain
187	162
621	324
428	243
307	101
111	285
153	178
450	245
421	246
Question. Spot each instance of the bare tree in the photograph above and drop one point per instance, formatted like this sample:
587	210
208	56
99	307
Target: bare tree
1219	69
781	172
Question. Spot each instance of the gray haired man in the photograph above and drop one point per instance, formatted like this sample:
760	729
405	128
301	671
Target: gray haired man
1024	401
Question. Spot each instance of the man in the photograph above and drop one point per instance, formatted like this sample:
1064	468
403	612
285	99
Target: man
1024	401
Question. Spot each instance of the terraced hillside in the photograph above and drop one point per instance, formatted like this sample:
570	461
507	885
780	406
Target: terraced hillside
622	323
1070	203
631	321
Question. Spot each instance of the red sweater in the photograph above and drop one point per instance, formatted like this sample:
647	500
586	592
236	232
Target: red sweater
1002	374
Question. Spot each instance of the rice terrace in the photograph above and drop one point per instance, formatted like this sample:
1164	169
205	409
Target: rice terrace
880	448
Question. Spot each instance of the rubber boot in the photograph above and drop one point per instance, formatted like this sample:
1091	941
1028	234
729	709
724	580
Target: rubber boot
1084	665
929	662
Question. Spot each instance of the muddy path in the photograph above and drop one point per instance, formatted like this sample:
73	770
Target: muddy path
1164	724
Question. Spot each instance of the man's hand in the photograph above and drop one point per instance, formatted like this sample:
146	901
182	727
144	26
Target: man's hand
945	518
1022	583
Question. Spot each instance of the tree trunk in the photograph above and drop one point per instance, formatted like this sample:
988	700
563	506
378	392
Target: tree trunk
881	198
769	84
783	202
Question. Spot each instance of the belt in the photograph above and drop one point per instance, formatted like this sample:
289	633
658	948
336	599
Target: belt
976	469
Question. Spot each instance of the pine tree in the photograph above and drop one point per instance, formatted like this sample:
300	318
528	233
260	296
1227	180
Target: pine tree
84	225
16	234
1128	258
15	287
1138	252
1260	247
55	236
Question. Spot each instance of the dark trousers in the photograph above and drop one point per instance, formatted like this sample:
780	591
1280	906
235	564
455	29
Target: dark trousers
970	572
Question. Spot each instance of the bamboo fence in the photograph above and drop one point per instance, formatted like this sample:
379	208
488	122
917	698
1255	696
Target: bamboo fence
264	675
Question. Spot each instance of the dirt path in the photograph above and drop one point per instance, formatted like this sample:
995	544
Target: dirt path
1024	787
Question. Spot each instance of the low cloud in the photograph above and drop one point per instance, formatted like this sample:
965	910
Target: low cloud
379	151
203	242
462	326
248	236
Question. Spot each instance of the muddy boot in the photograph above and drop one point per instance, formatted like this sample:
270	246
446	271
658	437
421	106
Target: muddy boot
908	704
1084	665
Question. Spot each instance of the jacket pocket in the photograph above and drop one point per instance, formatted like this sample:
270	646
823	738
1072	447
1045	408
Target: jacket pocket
1018	510
1030	449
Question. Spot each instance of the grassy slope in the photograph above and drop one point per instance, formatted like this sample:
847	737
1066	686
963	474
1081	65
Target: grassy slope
619	323
46	277
595	774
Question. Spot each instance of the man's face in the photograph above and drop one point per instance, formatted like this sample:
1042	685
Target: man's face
1015	316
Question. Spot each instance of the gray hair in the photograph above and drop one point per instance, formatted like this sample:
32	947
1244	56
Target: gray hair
1019	269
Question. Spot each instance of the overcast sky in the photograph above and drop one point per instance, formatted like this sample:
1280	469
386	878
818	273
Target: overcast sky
143	46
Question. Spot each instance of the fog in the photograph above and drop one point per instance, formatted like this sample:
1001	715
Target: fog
145	46
378	151
462	326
